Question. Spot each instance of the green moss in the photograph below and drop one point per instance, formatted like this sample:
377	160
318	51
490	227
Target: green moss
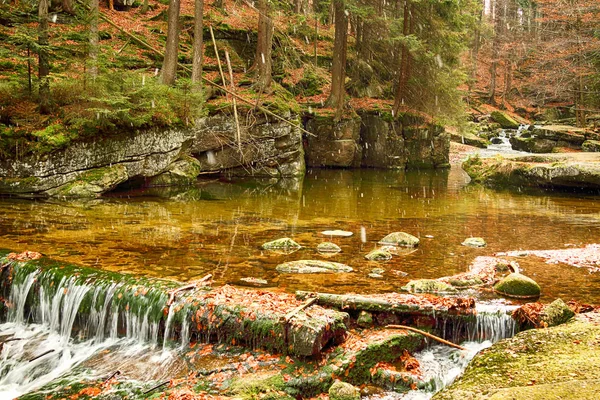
517	285
557	313
428	286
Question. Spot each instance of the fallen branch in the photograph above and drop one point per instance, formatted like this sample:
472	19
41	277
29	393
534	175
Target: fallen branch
42	355
156	387
11	340
117	372
193	285
301	307
429	335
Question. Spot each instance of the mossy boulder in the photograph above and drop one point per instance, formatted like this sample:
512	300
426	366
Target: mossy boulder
591	146
312	267
505	120
518	286
428	286
182	172
400	239
532	144
328	247
93	183
365	319
556	313
343	391
379	255
474	242
285	244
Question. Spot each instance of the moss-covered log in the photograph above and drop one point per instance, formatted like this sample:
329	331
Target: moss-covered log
113	304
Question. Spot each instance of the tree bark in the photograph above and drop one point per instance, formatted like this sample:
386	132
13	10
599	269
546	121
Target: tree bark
93	52
169	68
262	61
404	62
67	6
44	62
198	44
338	69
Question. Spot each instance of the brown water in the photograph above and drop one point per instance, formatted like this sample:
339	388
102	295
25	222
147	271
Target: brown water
218	228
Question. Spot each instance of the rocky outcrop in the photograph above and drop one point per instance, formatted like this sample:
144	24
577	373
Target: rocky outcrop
591	145
158	157
564	170
544	139
376	139
505	120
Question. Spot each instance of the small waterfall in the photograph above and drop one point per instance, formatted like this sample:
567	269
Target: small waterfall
70	316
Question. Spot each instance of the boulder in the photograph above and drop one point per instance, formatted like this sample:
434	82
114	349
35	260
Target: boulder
474	242
379	255
328	247
591	146
532	144
400	239
312	267
505	121
428	286
564	133
518	286
286	244
182	172
343	391
556	313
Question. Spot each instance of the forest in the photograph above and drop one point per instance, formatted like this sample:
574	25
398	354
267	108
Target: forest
71	69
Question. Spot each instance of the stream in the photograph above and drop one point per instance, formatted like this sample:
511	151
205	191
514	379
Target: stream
218	226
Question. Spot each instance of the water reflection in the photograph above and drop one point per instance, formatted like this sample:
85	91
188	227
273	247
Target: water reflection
218	226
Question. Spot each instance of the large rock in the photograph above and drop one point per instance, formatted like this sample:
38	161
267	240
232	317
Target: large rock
591	145
92	167
428	286
474	242
556	313
518	286
334	144
532	145
505	120
564	170
312	267
286	244
400	239
343	391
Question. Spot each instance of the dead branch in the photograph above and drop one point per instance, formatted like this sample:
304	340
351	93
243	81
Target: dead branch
429	335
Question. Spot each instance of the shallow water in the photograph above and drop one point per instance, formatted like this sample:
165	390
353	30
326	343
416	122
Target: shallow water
218	227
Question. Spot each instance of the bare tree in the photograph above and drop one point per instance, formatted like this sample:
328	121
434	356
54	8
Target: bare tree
198	43
340	51
169	67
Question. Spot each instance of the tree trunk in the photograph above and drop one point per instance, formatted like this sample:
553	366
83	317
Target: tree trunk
93	53
262	60
169	68
338	69
404	62
44	62
475	51
498	30
67	6
198	44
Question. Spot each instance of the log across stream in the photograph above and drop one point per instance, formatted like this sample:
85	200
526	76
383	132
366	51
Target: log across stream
85	314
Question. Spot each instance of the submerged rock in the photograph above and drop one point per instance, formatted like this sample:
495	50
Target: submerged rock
281	244
328	247
337	232
379	255
518	286
428	286
312	267
474	242
343	391
400	239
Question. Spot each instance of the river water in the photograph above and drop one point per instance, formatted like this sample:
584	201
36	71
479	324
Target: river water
219	226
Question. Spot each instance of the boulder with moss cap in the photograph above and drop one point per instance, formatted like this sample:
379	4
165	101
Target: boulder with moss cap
400	239
343	391
518	286
281	244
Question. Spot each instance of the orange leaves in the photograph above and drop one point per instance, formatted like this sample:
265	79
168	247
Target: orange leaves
24	256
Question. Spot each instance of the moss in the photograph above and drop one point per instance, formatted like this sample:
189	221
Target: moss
259	386
558	362
428	286
379	255
281	244
556	313
519	286
343	391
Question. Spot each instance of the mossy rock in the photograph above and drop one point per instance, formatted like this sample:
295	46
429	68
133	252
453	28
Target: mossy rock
365	319
343	391
328	247
465	283
428	286
400	239
505	121
379	255
281	244
312	267
518	286
591	146
474	242
556	313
